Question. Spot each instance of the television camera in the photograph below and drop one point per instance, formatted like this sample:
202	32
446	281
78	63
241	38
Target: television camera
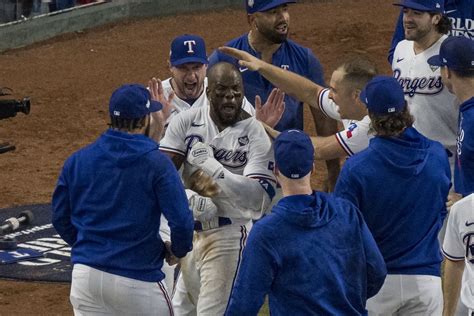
9	108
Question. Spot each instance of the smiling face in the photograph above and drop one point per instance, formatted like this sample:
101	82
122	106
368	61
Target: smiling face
188	80
273	24
225	93
418	24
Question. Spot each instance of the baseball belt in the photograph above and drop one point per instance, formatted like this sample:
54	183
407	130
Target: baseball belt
213	223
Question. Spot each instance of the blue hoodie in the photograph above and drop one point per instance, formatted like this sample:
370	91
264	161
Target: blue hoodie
313	255
400	184
464	167
108	202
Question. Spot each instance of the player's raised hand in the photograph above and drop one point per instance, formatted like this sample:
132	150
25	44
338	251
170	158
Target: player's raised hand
245	59
271	112
157	94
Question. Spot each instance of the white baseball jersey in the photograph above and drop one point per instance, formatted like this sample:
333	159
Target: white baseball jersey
243	148
459	244
181	105
434	108
355	136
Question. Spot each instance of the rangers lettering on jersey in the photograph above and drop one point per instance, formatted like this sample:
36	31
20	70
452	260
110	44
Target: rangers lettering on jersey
419	85
190	46
230	158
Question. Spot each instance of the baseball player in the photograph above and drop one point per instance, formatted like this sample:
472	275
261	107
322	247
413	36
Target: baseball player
340	102
268	40
431	104
185	89
400	184
231	147
107	205
456	59
460	14
283	253
458	249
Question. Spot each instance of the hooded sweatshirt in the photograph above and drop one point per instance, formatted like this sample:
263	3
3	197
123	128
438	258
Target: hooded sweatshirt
464	167
313	255
108	202
400	184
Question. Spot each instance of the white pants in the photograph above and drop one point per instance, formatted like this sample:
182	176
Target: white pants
210	269
94	292
408	295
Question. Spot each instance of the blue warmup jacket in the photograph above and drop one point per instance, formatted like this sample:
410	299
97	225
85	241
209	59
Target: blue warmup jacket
400	184
108	202
313	255
464	167
290	56
459	12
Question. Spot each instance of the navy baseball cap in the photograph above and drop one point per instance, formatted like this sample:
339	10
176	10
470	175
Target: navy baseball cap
423	5
264	5
383	95
294	153
456	52
188	49
132	101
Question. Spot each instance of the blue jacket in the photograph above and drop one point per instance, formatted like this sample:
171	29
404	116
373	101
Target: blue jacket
291	56
313	255
108	202
459	12
400	184
464	167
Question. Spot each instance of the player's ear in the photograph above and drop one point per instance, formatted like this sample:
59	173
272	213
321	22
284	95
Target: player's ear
251	19
356	93
436	19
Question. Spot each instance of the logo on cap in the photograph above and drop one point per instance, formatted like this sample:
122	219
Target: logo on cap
190	46
438	5
250	3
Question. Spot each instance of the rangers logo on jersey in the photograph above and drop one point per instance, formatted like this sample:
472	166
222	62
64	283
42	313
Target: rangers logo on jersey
419	85
230	158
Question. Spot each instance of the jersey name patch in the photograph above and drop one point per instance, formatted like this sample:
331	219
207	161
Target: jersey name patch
419	85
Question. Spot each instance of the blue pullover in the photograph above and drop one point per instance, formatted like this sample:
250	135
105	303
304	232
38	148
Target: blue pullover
290	56
464	167
313	255
400	184
108	202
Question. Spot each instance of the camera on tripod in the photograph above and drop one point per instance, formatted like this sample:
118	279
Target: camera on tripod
10	107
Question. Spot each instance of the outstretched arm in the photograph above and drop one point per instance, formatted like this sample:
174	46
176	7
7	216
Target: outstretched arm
292	84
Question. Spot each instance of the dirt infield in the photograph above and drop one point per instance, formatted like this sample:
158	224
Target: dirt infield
71	78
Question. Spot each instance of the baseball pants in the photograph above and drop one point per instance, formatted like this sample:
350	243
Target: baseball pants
408	295
210	269
94	292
